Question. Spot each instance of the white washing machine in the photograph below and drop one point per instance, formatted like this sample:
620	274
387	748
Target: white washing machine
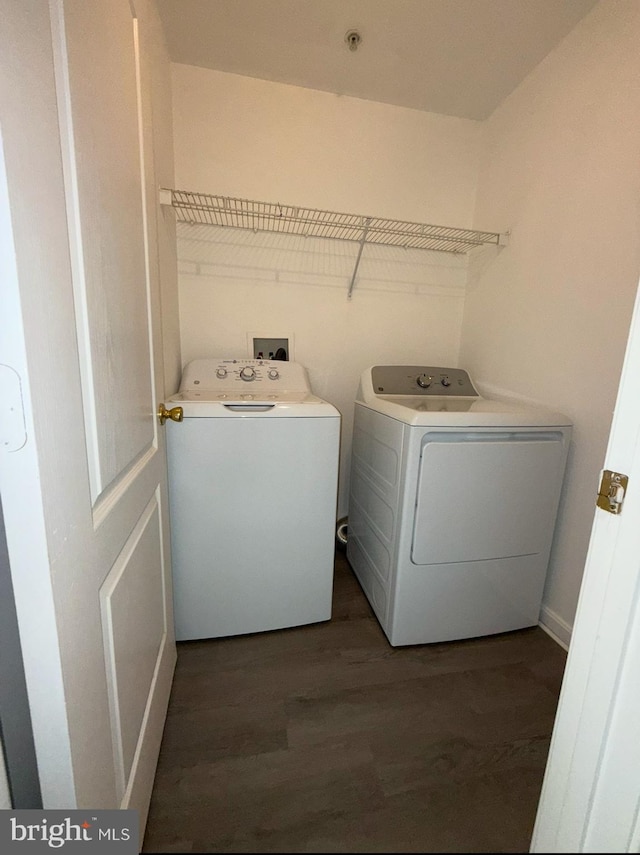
253	473
453	501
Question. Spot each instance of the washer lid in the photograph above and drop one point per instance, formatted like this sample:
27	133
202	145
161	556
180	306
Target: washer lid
426	395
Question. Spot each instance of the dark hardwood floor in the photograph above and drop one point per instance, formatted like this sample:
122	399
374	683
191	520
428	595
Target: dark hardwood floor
324	738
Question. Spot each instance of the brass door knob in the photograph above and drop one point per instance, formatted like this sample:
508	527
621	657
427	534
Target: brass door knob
175	414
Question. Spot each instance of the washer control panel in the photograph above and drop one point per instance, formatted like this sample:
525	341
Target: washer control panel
244	376
421	380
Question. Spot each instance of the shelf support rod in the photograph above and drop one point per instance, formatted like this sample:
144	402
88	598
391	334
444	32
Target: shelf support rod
363	240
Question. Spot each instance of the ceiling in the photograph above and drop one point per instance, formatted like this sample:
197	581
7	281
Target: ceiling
456	57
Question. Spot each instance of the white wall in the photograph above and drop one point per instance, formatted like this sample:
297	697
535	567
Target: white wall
266	141
239	136
549	319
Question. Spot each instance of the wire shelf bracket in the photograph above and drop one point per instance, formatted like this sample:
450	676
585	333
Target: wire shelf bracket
206	209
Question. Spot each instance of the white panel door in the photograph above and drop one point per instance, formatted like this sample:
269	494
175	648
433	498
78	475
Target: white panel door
590	800
87	516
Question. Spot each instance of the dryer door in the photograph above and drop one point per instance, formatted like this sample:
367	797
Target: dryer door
486	495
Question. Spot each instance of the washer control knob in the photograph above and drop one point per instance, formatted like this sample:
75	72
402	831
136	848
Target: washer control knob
221	372
445	381
424	381
247	373
273	374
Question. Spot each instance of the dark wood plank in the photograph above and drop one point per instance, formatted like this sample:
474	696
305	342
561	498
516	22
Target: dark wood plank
324	738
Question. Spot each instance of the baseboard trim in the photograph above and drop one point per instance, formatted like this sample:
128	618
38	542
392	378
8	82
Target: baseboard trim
555	627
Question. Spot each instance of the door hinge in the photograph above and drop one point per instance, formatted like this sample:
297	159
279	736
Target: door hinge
613	487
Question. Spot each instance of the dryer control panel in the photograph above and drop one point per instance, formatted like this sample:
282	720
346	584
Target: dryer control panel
421	380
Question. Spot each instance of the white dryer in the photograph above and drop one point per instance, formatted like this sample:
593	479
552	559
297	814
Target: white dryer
253	473
453	502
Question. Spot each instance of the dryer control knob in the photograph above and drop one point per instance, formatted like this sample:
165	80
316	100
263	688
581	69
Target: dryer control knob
221	372
247	373
273	374
445	381
424	381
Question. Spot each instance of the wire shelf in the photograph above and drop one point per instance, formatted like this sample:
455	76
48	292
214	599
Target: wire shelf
206	209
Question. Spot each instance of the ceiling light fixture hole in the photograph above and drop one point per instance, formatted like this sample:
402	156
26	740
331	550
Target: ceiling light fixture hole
353	39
